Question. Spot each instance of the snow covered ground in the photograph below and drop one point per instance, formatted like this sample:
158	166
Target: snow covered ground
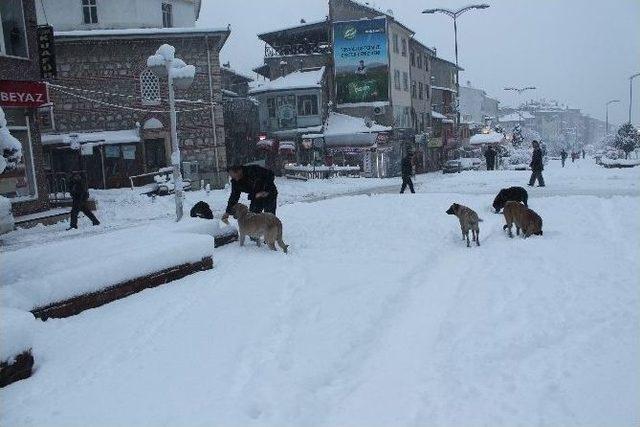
378	316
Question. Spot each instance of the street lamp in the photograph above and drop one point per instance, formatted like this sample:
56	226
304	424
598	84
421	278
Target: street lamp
606	126
178	74
454	15
631	92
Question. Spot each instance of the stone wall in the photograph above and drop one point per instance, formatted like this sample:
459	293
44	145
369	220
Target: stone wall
108	71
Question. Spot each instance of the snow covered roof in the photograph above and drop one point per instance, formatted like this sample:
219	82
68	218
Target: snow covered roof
237	73
125	136
152	123
140	32
448	89
295	27
301	79
342	124
436	115
486	138
515	117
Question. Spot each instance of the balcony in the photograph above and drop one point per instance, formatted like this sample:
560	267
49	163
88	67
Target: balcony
322	48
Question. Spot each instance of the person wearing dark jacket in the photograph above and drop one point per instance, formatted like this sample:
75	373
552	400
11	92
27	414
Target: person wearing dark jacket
536	165
563	156
258	183
79	196
407	172
490	156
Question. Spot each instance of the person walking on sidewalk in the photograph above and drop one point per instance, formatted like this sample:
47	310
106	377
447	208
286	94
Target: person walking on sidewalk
407	172
80	197
536	165
563	156
490	156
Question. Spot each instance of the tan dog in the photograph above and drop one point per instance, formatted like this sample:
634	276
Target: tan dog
468	221
524	218
257	225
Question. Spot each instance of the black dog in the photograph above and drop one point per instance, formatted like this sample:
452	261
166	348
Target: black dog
515	194
201	210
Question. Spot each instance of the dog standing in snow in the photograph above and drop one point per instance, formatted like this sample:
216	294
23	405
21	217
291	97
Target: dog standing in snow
468	222
257	225
524	219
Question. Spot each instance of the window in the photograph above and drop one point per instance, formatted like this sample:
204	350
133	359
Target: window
308	105
14	35
167	15
413	89
396	79
395	43
426	63
419	60
405	81
413	58
420	90
286	111
18	182
149	88
89	11
271	107
404	47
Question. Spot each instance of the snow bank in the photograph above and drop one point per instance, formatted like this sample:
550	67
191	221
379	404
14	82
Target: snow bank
185	72
9	146
16	332
48	273
205	227
6	217
620	162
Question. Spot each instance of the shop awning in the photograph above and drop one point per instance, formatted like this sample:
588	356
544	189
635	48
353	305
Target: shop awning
287	146
265	144
127	136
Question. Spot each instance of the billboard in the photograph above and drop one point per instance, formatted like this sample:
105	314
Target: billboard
361	61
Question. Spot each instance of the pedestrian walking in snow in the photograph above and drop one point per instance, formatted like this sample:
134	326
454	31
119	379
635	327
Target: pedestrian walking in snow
80	197
583	154
536	165
490	156
407	172
563	157
258	183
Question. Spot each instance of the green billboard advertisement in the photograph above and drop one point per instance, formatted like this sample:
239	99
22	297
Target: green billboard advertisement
361	61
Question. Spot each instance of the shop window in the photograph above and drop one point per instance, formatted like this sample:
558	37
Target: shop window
18	182
45	118
167	15
14	35
149	88
308	105
89	11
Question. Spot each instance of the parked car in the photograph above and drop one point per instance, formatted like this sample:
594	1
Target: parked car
461	164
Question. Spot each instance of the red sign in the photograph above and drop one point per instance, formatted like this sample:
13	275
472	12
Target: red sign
14	93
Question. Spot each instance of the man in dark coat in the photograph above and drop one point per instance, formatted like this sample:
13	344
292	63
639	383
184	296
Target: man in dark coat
563	156
407	172
258	183
490	156
79	196
536	165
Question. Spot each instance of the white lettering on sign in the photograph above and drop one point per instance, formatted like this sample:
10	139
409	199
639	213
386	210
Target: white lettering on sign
34	98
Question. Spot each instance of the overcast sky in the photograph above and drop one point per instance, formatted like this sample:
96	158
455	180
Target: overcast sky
580	52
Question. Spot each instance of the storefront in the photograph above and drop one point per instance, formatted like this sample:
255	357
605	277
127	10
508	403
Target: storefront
24	184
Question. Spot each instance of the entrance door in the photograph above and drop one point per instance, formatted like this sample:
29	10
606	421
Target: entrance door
155	156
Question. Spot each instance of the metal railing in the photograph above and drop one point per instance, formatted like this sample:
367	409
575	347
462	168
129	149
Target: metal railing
297	49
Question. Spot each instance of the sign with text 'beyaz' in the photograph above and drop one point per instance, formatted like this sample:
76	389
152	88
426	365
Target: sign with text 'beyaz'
25	94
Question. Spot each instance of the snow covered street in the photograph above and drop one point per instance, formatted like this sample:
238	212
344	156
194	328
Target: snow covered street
378	316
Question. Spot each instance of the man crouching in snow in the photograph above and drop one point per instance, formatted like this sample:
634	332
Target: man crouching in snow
258	183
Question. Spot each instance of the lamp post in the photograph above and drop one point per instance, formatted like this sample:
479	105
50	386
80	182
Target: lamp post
631	92
178	74
606	116
454	14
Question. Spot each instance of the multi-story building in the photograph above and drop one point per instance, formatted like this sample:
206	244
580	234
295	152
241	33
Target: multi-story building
443	101
476	108
21	95
110	114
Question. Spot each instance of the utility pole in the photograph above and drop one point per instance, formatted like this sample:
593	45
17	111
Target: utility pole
631	92
606	117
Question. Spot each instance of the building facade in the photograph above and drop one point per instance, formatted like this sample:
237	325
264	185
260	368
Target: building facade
106	99
21	95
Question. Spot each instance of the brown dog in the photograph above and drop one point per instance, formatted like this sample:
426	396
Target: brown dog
468	221
524	219
257	225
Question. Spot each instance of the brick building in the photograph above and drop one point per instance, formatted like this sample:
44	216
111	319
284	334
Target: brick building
25	185
106	99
